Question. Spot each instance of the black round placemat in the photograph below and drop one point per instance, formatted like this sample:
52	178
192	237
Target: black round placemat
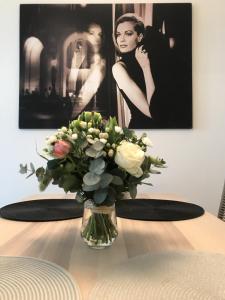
43	210
138	209
157	210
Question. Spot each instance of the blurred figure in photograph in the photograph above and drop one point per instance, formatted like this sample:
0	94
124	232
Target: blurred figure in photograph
96	72
138	73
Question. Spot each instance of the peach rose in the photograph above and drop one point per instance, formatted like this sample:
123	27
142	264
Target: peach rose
61	149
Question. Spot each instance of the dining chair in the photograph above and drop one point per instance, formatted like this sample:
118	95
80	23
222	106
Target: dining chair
221	213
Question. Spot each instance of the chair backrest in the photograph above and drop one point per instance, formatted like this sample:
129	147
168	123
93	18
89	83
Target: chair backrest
221	213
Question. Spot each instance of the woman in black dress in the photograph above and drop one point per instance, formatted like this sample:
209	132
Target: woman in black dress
132	71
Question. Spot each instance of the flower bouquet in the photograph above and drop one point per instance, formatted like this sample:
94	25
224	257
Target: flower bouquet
99	161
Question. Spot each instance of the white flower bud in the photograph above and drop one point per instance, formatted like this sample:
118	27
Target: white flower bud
104	141
83	124
96	131
118	129
74	136
110	153
64	129
52	139
107	129
91	130
147	141
103	135
113	145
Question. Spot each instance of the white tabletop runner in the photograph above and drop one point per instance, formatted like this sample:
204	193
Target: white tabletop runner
27	278
165	276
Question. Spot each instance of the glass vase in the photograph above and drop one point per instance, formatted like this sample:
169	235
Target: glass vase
99	226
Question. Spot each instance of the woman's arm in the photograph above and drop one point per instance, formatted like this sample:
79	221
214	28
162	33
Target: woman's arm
130	88
143	60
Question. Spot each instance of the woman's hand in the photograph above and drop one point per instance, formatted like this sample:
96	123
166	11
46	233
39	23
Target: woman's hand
141	56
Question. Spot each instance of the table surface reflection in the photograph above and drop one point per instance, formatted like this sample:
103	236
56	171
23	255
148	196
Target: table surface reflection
60	241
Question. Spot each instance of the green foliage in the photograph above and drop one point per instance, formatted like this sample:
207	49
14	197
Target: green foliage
23	169
81	158
91	178
100	195
69	182
106	179
97	166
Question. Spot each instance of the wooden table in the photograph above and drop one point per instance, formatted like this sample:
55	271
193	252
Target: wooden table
60	242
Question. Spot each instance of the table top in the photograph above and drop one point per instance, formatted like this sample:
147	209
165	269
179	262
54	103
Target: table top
60	241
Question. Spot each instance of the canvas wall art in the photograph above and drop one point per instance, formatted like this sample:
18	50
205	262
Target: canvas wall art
132	61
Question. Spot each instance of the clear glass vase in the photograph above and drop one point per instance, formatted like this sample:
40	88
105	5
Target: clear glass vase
99	226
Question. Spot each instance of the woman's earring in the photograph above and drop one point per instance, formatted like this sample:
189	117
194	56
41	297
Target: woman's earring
140	37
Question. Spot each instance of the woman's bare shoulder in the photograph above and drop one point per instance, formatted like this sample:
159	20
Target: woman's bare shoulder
118	66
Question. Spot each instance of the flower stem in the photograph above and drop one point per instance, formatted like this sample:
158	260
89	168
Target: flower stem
100	230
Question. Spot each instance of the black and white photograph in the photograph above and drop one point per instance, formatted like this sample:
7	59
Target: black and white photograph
133	61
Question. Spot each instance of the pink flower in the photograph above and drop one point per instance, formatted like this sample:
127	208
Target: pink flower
61	149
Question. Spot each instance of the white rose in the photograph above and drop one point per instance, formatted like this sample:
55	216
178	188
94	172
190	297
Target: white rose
130	157
147	141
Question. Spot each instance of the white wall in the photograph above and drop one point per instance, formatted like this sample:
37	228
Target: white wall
195	158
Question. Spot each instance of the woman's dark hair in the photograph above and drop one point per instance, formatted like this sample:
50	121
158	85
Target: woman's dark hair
139	26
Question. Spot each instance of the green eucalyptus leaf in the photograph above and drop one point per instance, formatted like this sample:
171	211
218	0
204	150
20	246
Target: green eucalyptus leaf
91	152
90	188
98	146
99	154
32	168
106	179
100	196
97	166
117	180
91	178
111	196
133	191
23	169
